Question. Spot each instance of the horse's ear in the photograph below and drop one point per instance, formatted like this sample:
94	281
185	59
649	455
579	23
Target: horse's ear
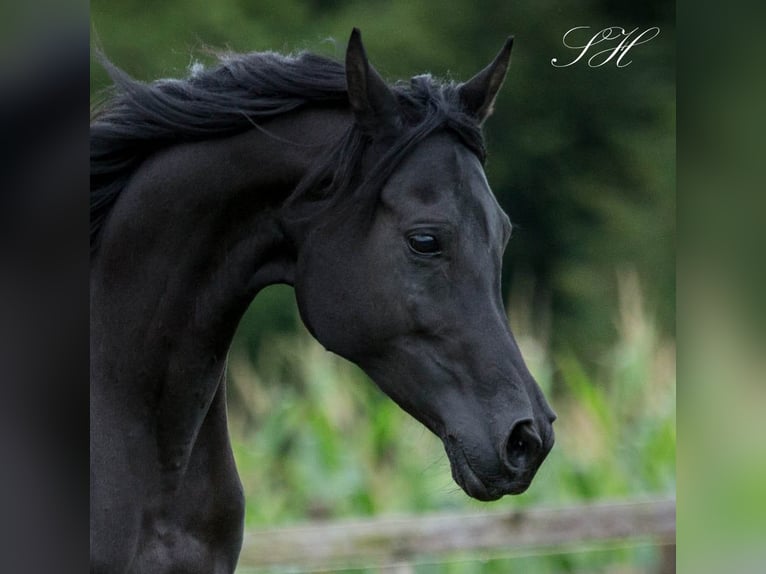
373	103
478	94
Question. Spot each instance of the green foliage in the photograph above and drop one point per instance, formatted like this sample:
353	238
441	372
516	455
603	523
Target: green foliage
315	439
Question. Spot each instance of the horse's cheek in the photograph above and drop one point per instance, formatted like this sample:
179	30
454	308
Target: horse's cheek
326	294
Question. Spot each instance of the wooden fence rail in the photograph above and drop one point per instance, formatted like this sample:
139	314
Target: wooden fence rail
390	541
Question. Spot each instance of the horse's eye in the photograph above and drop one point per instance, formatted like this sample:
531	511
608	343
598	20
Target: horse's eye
424	244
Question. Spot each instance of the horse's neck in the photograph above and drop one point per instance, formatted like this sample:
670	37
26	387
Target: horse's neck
192	239
196	232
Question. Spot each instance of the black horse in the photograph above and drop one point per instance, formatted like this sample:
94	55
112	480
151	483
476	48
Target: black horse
371	200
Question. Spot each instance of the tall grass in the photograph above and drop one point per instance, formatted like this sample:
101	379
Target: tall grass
314	438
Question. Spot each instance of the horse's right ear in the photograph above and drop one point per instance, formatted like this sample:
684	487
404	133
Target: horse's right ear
478	94
372	101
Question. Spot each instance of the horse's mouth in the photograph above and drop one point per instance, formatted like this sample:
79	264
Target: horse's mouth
468	479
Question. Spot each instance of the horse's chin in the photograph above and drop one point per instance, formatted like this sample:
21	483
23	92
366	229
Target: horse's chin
473	485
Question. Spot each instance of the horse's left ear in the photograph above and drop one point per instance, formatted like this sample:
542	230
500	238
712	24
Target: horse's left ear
478	94
374	104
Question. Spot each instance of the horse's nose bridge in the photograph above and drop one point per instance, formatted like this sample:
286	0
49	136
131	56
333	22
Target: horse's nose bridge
516	403
505	385
509	402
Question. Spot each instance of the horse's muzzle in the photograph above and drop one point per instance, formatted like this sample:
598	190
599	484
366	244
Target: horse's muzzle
506	470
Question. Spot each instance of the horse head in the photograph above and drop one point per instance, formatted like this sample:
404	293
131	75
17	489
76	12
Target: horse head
402	276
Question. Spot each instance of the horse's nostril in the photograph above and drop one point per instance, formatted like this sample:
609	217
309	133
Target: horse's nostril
517	453
523	445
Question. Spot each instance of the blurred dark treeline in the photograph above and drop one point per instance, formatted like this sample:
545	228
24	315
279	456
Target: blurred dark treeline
582	159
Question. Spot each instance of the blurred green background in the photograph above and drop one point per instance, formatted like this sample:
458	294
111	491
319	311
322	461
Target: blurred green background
583	161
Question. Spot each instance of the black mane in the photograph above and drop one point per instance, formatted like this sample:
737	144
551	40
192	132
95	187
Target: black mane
233	96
